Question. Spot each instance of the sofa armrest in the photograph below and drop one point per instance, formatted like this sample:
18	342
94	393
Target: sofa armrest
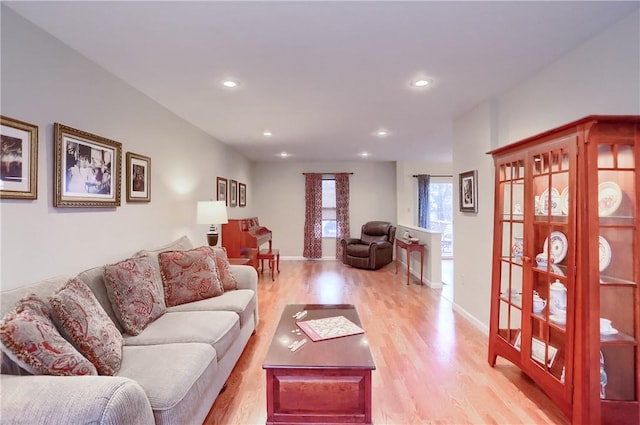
73	400
247	278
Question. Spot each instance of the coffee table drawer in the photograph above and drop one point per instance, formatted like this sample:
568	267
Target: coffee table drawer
318	396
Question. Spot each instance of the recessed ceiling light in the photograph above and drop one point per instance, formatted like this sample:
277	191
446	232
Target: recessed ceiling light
421	83
283	154
230	83
267	133
364	154
382	132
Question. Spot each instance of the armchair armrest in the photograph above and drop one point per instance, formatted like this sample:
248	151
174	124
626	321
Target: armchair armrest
348	241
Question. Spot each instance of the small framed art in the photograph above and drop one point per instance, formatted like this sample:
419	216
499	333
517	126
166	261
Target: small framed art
469	191
233	193
18	159
138	178
242	195
221	185
87	169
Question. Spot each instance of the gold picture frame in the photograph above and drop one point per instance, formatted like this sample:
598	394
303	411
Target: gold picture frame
18	159
138	177
233	193
221	190
87	169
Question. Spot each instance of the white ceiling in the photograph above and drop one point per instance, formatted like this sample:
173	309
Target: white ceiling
323	76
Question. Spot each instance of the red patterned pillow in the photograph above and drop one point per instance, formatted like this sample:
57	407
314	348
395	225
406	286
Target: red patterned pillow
82	321
30	338
229	282
189	275
135	297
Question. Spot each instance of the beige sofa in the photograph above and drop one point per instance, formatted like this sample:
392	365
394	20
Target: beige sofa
171	373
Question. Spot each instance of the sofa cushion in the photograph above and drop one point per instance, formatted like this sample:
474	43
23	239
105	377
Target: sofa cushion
189	275
167	372
83	322
240	301
30	338
134	293
216	328
229	282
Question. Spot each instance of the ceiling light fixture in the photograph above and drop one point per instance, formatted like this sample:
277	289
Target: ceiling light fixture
283	154
230	84
421	83
364	154
267	133
382	132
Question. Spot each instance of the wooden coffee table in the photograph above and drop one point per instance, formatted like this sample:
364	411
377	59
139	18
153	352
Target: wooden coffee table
326	382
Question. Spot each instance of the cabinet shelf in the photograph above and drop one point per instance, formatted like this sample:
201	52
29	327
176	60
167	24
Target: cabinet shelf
612	281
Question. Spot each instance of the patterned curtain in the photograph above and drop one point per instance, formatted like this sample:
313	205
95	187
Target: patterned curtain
313	216
423	200
342	211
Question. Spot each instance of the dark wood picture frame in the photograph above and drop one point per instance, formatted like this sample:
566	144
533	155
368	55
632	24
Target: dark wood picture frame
242	195
233	193
221	190
87	168
18	159
469	191
138	177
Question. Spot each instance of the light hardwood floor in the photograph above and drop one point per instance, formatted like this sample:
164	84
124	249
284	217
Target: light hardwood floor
431	363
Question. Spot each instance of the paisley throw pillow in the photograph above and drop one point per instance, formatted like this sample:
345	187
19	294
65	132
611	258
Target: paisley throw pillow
134	294
229	282
30	338
82	321
189	275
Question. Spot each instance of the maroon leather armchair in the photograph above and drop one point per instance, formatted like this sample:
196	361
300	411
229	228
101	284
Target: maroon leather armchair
373	249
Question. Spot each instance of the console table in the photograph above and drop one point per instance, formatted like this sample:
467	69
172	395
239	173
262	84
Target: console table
410	247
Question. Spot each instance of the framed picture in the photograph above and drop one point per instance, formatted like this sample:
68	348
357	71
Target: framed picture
233	193
469	191
242	194
18	159
138	178
221	184
87	169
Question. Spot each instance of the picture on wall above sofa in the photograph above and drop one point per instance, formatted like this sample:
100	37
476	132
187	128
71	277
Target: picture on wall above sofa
18	159
138	178
87	169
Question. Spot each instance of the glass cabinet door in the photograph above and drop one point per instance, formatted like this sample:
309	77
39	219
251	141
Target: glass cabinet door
511	219
551	309
618	259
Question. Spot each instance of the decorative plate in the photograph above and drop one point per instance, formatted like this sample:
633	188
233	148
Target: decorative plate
609	198
611	331
558	319
544	199
605	253
564	201
559	246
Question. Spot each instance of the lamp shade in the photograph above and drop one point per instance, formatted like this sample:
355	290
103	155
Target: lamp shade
212	212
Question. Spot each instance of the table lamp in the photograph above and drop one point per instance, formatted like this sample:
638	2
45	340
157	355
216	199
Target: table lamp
213	213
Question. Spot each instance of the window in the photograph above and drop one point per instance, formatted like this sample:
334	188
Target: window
328	208
441	214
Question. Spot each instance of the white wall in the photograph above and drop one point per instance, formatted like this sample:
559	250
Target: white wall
278	194
44	81
599	77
